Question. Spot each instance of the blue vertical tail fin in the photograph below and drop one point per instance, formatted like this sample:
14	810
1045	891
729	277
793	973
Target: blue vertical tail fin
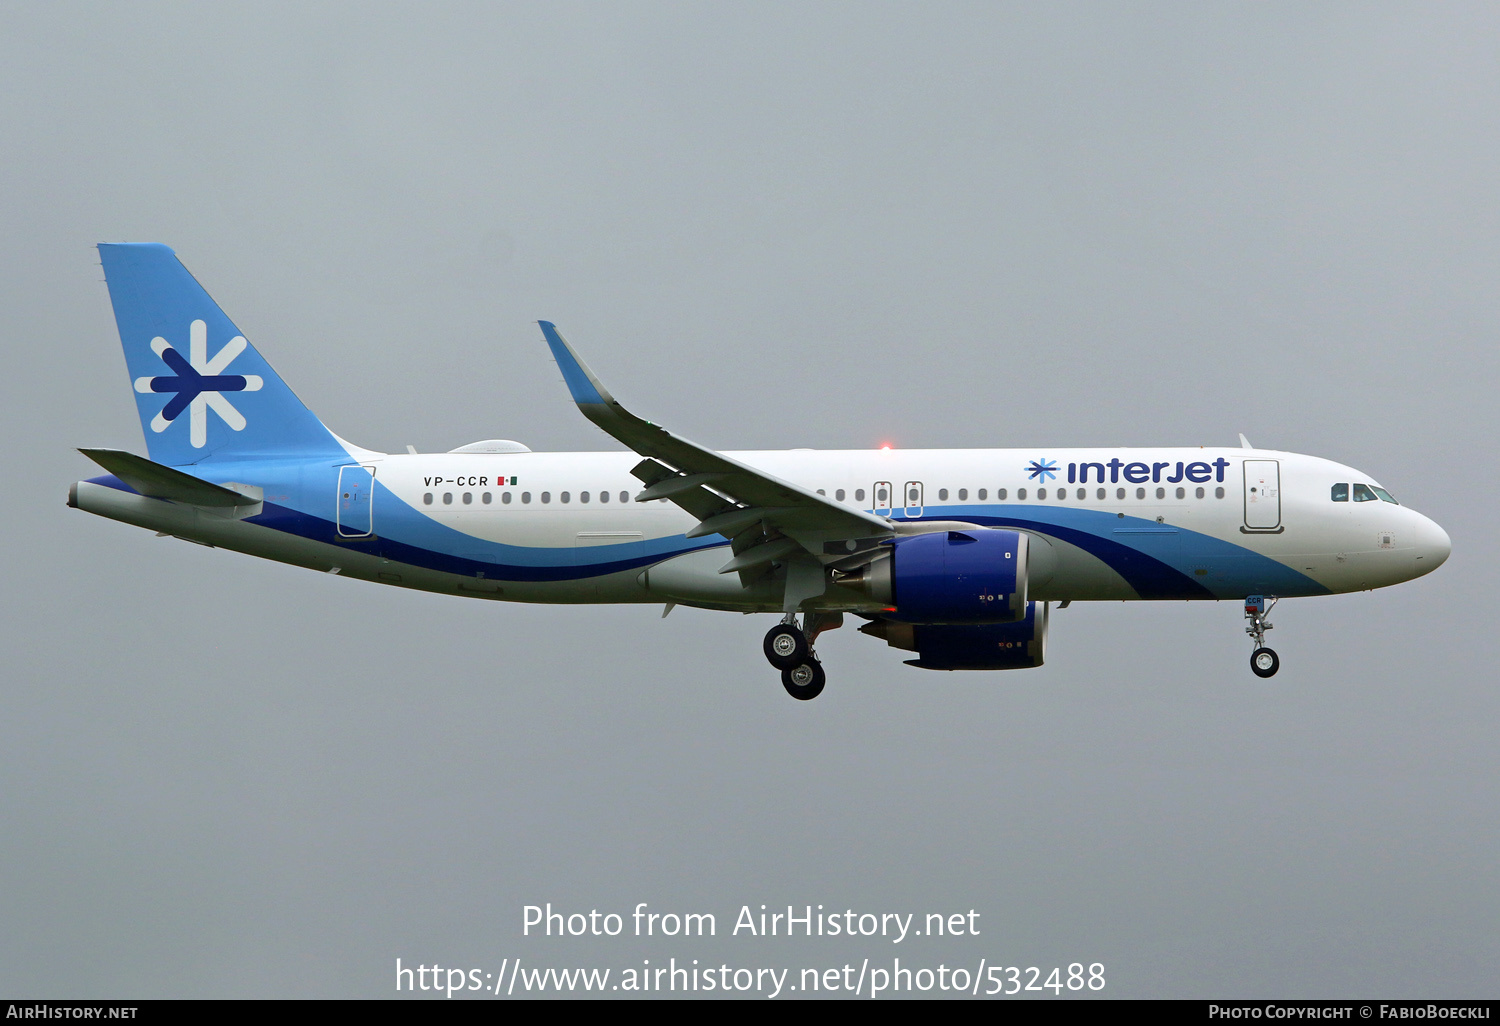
202	391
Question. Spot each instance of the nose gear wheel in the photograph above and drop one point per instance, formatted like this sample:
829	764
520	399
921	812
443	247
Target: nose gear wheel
1263	661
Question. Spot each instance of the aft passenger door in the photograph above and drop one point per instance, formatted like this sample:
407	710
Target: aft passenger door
1262	495
353	508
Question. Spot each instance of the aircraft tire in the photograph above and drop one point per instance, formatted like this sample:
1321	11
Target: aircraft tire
1264	662
786	647
804	681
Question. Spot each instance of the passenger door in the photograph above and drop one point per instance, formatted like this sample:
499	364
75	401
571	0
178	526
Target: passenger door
353	508
1262	495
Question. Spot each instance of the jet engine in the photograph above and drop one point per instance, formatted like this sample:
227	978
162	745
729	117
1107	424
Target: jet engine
949	577
993	646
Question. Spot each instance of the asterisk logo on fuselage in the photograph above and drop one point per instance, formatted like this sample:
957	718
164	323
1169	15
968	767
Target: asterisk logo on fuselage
199	383
1043	469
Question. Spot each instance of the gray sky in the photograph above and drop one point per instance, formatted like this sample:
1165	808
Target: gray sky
765	226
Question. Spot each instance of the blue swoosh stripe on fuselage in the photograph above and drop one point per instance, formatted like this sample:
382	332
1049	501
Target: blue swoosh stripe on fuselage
1156	562
1152	575
537	564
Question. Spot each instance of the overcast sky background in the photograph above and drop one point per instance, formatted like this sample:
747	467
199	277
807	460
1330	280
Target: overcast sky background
765	226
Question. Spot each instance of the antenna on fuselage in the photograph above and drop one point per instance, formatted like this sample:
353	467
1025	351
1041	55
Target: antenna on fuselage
1245	442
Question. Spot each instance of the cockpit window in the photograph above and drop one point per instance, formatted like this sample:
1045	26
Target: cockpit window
1362	493
1341	492
1385	496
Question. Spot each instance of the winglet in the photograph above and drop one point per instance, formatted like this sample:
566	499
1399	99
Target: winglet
581	381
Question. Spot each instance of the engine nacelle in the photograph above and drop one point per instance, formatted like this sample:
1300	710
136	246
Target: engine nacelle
951	577
991	646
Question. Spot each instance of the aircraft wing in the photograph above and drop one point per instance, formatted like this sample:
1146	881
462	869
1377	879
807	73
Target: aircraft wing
767	518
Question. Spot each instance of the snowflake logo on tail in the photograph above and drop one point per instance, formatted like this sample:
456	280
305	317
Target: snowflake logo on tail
199	383
1043	469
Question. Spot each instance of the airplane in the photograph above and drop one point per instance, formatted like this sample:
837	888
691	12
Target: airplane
956	555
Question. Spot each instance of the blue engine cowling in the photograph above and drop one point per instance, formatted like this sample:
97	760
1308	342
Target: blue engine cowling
992	646
959	577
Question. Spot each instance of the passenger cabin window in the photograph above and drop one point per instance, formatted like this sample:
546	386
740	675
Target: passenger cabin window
839	495
1020	493
943	493
983	494
859	495
1341	492
624	496
427	499
1362	493
963	493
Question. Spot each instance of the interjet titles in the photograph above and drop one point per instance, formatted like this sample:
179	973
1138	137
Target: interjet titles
1140	473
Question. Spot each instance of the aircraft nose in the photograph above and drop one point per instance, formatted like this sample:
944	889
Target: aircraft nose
1433	546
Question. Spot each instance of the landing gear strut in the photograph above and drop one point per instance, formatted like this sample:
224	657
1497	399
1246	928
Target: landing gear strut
1263	661
789	649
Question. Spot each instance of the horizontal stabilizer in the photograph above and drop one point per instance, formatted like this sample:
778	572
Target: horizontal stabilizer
158	482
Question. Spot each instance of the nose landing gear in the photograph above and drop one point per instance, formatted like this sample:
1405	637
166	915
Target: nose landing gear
1263	661
789	649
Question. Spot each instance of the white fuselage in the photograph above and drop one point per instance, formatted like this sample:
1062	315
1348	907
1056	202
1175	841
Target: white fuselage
563	527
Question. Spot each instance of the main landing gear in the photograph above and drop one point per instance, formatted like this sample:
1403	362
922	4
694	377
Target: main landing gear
1263	661
789	649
